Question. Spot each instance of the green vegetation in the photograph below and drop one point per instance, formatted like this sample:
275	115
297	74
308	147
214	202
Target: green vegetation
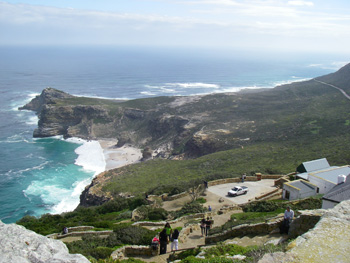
222	253
102	248
169	176
101	217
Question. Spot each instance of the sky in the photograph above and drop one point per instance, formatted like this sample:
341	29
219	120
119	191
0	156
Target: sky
294	25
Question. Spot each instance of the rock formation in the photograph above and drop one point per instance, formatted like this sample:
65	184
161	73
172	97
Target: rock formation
19	245
327	242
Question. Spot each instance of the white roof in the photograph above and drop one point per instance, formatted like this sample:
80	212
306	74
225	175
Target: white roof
332	173
316	165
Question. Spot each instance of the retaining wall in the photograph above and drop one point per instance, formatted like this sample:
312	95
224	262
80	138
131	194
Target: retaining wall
243	230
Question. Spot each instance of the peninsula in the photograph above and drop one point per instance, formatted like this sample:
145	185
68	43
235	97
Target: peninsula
196	138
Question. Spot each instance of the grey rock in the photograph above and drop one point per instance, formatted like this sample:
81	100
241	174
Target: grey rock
17	244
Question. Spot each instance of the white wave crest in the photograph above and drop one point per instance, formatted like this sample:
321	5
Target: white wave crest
91	157
33	120
329	66
70	199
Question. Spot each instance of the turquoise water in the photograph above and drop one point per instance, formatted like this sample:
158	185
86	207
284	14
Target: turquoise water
40	176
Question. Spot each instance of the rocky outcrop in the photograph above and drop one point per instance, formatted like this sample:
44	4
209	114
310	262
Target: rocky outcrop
327	242
20	245
70	121
47	97
93	195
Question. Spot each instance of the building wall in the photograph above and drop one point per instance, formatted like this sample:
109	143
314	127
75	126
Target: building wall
297	194
328	204
293	193
323	185
308	193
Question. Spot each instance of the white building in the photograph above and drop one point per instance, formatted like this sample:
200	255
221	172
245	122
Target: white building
321	174
298	189
339	193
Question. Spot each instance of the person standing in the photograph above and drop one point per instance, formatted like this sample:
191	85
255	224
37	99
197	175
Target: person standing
175	240
203	225
169	230
288	217
243	177
207	226
163	240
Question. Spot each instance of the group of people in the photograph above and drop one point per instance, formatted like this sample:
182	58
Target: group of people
165	236
206	224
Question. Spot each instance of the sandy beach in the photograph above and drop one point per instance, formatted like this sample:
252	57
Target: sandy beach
119	156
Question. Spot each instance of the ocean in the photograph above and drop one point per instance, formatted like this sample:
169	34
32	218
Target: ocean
39	176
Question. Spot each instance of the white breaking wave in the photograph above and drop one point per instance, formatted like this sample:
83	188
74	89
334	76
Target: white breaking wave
55	192
332	66
91	157
33	120
69	199
147	93
196	85
100	97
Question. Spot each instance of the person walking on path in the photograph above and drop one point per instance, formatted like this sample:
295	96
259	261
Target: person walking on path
163	240
175	240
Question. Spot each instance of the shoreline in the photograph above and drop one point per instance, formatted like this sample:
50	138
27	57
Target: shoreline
116	157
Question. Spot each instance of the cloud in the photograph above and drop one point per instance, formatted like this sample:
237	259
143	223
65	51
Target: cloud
220	23
300	3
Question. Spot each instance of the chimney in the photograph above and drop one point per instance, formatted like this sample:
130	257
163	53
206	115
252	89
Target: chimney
341	179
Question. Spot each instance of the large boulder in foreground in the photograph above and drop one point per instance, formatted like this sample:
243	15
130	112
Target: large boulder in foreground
17	244
327	242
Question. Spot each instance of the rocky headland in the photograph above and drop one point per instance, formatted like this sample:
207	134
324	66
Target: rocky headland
292	122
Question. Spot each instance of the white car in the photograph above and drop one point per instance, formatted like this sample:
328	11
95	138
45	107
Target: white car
238	190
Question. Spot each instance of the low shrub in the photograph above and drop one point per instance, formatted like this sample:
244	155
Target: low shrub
189	208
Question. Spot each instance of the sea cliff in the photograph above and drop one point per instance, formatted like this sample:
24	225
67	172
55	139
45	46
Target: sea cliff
263	131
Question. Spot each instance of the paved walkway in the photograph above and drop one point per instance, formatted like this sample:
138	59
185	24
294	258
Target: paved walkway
213	194
341	90
195	239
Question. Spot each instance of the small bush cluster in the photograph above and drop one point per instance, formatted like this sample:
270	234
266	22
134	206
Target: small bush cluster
189	208
152	213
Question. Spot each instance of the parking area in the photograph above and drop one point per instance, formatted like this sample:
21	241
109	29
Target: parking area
255	189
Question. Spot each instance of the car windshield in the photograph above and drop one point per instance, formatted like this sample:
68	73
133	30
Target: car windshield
235	188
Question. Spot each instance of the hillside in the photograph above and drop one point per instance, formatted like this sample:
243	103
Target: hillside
270	131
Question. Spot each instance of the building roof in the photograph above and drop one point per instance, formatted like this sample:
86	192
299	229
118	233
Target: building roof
301	185
332	173
339	192
314	165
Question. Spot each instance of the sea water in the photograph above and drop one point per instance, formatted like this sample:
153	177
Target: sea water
47	175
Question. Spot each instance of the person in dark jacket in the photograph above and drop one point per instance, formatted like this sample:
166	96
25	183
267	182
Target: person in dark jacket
163	240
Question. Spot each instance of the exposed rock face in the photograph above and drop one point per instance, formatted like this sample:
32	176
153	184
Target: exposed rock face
92	194
20	245
48	96
327	242
69	121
